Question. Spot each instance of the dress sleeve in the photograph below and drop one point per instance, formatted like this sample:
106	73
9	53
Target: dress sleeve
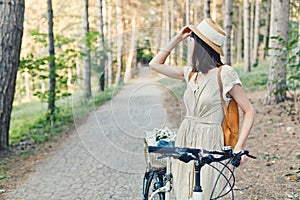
186	71
229	79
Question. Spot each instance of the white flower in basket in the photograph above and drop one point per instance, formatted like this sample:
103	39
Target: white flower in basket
157	137
164	134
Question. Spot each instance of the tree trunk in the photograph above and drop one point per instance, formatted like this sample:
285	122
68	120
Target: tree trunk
166	23
195	12
246	36
101	45
267	29
11	32
172	12
228	28
52	71
128	72
109	45
206	9
180	21
87	92
256	34
69	80
214	10
298	57
187	12
251	25
276	91
119	41
172	17
239	38
27	85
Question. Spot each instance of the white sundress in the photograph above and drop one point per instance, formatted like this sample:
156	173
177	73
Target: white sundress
201	127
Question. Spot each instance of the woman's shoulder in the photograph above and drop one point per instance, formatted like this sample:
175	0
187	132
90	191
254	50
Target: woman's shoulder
227	68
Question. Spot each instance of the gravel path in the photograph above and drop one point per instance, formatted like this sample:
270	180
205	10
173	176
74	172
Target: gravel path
105	159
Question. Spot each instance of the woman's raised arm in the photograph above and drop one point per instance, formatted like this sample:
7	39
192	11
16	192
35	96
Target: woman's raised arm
158	62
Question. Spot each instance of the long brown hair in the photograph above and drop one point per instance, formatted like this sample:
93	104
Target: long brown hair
203	57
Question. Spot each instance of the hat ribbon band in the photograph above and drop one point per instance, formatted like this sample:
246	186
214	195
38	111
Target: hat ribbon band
211	34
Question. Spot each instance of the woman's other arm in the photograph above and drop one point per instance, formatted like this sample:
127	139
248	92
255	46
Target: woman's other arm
238	93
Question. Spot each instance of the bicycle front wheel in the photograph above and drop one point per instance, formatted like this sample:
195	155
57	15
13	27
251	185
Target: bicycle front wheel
153	182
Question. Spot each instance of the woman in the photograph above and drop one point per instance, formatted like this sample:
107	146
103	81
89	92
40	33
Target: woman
201	127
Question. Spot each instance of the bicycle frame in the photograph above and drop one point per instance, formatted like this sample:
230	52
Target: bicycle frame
188	154
167	188
197	192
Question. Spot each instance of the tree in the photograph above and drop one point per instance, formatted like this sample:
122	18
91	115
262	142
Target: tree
129	62
52	71
101	42
206	9
246	36
228	28
256	34
11	32
87	92
276	91
267	28
187	12
196	5
239	35
119	40
109	45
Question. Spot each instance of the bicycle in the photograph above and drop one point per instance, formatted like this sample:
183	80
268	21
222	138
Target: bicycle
157	183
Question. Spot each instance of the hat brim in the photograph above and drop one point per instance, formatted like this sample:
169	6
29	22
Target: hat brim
215	47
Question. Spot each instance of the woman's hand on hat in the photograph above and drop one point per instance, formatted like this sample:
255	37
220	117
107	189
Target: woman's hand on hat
184	33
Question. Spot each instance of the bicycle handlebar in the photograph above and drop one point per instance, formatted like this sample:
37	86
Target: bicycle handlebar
188	154
176	150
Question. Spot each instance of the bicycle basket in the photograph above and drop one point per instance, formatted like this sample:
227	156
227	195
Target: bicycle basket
152	161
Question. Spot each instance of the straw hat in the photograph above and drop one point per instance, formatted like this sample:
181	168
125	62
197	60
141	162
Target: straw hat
211	33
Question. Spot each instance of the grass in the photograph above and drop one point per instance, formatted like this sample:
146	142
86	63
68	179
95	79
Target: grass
30	120
256	79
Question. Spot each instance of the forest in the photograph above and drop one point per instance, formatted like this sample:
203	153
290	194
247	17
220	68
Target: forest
57	55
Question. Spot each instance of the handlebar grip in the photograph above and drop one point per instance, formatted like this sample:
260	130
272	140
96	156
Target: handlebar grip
237	157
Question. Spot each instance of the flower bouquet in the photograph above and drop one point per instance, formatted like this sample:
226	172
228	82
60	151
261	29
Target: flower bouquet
158	137
164	134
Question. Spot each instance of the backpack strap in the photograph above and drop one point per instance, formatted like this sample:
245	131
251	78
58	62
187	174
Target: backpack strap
221	90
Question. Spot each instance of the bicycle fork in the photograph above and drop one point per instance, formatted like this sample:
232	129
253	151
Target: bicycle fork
197	192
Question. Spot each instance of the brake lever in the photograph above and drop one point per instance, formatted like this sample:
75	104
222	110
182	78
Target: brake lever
250	156
237	157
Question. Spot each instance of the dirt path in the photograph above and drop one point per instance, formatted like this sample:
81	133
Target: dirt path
104	159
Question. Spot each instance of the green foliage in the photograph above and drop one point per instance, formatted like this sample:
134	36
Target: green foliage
41	130
37	67
256	79
144	54
3	170
291	65
267	156
30	121
106	95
